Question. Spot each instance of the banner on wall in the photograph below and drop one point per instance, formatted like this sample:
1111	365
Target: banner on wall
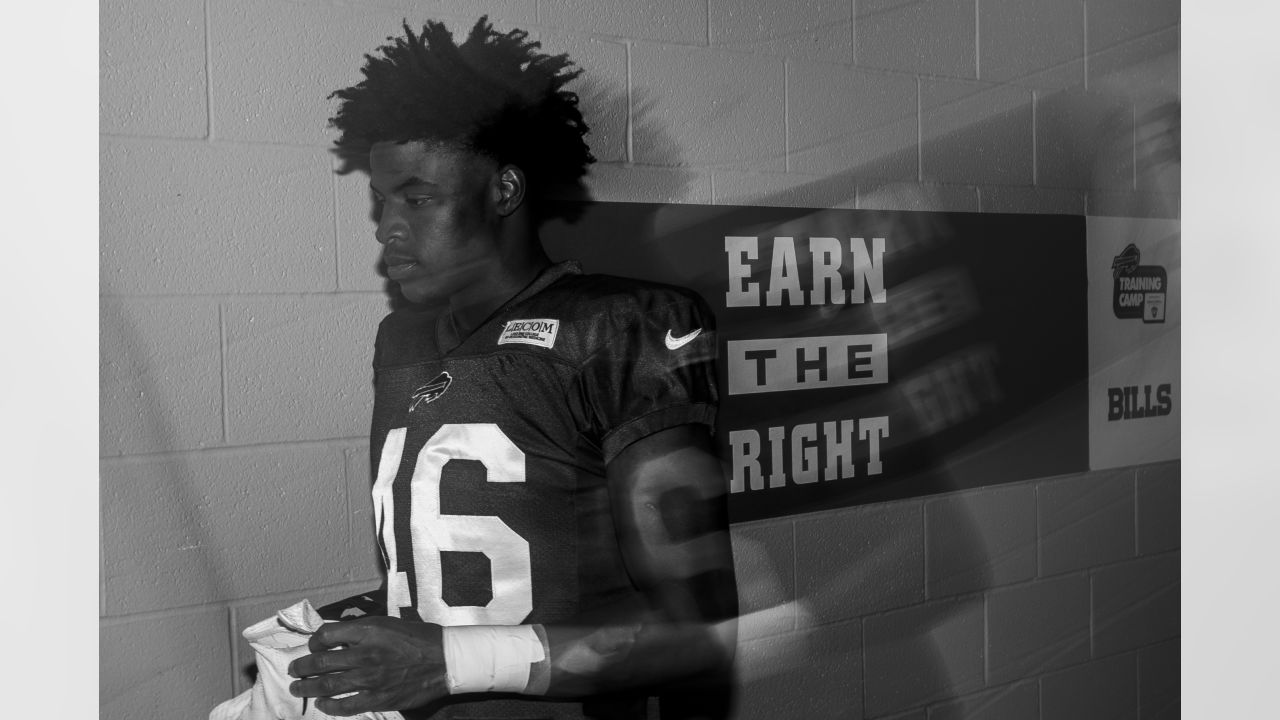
871	355
1135	316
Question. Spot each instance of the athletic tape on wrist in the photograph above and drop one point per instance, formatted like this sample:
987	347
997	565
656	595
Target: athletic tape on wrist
490	658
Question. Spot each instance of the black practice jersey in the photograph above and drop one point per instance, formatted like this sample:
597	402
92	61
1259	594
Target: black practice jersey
489	459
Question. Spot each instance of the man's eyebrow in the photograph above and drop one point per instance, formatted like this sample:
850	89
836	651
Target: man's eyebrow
408	182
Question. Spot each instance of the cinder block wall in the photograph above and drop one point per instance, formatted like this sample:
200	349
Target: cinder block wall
239	302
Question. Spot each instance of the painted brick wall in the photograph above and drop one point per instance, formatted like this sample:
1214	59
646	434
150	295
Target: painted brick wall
239	303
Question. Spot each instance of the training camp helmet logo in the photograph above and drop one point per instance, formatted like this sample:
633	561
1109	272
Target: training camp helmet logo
1138	290
431	391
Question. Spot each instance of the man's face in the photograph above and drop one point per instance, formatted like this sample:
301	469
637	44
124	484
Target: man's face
436	218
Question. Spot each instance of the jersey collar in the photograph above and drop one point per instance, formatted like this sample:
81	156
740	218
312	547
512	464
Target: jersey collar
444	329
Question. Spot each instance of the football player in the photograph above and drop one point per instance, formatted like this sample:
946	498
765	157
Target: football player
548	504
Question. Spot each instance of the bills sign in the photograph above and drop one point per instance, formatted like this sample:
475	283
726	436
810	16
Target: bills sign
1135	394
871	355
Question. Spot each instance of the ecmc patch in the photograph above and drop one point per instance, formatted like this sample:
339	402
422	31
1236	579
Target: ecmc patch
537	331
1138	290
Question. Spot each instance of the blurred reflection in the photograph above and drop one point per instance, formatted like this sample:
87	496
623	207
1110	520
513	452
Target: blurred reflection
957	392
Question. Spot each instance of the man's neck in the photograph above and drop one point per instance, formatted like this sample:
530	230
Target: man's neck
467	311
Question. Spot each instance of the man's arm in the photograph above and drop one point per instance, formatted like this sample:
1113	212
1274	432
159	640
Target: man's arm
668	501
669	506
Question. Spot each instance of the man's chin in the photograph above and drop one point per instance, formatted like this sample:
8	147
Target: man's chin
418	295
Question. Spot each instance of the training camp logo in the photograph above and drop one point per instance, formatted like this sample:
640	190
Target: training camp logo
1138	290
431	391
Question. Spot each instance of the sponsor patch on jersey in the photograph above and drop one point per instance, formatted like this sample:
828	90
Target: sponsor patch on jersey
536	331
431	390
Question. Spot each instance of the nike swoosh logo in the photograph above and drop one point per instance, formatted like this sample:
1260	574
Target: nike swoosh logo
675	343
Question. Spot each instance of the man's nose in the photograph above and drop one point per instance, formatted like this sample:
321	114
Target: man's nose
389	229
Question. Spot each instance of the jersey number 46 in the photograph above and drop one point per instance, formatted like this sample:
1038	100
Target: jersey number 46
433	533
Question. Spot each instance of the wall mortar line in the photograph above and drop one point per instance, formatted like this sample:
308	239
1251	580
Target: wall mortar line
208	74
223	347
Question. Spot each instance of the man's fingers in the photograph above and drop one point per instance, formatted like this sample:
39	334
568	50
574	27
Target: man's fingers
331	635
323	662
335	683
352	705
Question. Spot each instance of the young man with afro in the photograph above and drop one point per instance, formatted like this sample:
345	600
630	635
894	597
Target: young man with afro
549	507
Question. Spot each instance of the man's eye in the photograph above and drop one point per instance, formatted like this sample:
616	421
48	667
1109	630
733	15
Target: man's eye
417	201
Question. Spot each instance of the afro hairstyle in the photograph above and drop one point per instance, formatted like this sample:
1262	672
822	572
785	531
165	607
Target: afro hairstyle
494	95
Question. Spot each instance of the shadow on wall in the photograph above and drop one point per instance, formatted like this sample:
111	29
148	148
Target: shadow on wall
171	494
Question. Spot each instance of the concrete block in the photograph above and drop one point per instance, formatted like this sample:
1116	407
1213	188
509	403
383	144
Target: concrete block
1160	681
708	108
504	14
928	38
248	613
159	375
1157	138
176	666
1143	67
290	104
975	133
638	183
841	120
678	21
1085	520
910	196
199	528
820	30
918	714
1159	501
923	654
366	559
1084	140
1037	627
1018	701
102	569
1118	22
1035	43
601	89
1099	690
857	561
815	674
1009	199
300	368
191	218
151	68
789	190
1104	203
764	562
359	253
978	540
1136	603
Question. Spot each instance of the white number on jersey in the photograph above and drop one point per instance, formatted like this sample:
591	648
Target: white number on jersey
433	533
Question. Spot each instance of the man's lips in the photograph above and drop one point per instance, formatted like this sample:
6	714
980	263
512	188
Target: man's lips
398	268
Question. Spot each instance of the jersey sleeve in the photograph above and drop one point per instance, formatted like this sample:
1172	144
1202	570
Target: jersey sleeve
656	372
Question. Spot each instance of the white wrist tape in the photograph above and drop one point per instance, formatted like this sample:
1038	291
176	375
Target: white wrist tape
490	658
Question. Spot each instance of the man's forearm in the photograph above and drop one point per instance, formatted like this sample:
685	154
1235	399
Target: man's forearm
640	656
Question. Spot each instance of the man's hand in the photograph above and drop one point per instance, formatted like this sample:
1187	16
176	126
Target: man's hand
390	664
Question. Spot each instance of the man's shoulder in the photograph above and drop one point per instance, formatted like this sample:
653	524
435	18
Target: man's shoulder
406	333
620	299
411	318
606	316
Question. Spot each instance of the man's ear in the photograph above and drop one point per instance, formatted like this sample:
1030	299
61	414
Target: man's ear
509	189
